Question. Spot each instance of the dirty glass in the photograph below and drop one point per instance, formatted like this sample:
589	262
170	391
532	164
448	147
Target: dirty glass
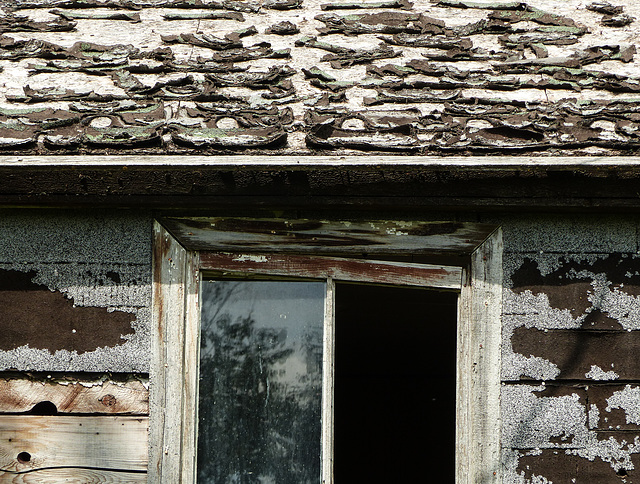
259	414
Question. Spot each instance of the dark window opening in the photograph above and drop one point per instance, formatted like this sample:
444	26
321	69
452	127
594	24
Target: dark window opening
395	376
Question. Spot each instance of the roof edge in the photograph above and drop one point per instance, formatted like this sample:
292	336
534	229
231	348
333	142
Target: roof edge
318	162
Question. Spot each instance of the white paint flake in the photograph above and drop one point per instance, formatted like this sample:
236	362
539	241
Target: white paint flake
594	416
250	258
627	400
597	373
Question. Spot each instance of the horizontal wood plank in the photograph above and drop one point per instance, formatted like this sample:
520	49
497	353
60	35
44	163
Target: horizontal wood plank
442	277
324	236
31	442
22	395
73	476
437	162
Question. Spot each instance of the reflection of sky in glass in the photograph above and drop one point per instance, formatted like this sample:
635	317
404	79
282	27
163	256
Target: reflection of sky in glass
260	381
295	310
294	307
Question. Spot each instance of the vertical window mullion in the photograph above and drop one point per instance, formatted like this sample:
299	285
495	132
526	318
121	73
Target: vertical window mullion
327	383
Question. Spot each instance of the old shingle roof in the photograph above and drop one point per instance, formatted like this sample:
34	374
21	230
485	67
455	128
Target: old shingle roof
307	76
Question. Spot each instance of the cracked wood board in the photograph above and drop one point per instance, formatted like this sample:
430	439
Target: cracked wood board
19	395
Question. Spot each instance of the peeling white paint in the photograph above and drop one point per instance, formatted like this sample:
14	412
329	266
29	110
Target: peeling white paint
616	453
628	400
530	421
394	231
251	258
95	258
539	423
597	373
594	416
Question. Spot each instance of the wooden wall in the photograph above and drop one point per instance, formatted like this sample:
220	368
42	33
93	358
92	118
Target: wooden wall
571	372
74	413
73	428
74	311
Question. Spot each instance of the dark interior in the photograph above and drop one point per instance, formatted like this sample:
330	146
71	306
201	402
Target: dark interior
394	385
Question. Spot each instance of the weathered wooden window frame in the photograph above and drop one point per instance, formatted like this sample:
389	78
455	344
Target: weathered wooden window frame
175	347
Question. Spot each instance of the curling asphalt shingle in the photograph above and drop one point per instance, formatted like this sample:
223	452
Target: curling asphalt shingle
292	76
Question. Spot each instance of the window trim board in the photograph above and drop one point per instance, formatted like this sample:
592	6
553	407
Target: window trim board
175	343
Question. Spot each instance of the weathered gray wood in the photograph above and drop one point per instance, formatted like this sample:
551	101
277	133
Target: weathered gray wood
478	368
328	367
230	161
191	368
73	476
314	236
167	345
441	277
478	426
99	396
30	442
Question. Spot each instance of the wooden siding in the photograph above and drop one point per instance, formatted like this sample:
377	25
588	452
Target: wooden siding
60	429
571	375
77	476
32	442
86	397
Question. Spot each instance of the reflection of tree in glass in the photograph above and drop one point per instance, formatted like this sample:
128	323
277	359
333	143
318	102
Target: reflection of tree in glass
252	427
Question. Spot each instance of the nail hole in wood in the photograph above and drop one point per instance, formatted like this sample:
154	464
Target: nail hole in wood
24	457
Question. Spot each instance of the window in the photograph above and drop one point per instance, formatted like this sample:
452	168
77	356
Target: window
374	360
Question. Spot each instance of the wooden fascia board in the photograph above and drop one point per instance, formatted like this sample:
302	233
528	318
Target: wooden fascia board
408	183
229	162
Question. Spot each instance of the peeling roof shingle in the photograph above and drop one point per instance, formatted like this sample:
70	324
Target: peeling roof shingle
467	76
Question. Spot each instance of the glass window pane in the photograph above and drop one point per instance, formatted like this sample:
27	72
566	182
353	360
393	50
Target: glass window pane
260	382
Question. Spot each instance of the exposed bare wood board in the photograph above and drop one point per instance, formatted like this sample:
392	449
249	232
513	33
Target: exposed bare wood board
22	395
322	236
31	442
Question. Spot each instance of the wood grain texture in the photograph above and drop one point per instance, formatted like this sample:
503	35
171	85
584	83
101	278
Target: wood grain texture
441	277
73	476
31	442
328	380
21	395
191	368
167	364
437	162
324	236
478	367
